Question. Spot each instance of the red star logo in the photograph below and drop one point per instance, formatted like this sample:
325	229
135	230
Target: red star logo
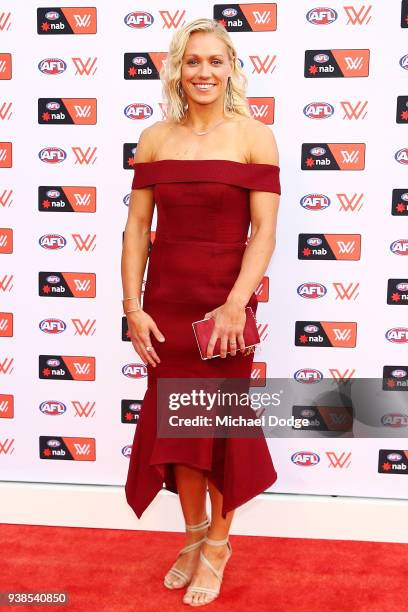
129	416
395	297
45	26
222	23
390	383
400	207
131	162
303	339
404	115
46	452
386	466
46	204
310	162
306	252
313	69
46	372
46	289
406	19
46	116
127	334
132	71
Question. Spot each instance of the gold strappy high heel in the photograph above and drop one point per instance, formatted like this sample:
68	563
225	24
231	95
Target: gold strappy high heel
182	578
211	593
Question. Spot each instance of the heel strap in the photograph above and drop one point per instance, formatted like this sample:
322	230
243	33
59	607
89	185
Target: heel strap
199	526
216	542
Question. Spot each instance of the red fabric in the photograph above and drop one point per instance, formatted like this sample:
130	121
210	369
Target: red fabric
203	220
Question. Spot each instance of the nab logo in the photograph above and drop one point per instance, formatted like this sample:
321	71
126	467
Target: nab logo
138	110
321	16
138	20
395	378
52	155
66	20
308	376
134	370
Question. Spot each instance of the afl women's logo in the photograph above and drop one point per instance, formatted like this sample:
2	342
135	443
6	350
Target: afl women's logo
318	151
311	291
52	155
318	110
305	458
52	65
53	279
314	242
138	110
401	156
321	15
53	106
53	443
52	326
52	15
315	201
139	60
53	193
52	408
397	335
127	450
138	20
400	246
52	242
308	376
394	457
229	12
311	329
134	370
321	58
399	373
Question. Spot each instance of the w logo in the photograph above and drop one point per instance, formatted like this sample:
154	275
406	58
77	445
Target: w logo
85	158
84	244
346	293
353	203
266	65
5	21
84	329
264	17
172	22
86	67
362	17
356	111
86	410
354	63
350	157
83	21
339	461
6	198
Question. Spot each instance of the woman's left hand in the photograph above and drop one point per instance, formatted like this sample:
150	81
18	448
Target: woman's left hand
229	323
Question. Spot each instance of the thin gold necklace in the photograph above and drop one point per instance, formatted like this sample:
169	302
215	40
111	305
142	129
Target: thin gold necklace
206	131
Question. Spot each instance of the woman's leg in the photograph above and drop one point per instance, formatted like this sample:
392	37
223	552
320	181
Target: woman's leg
192	489
218	530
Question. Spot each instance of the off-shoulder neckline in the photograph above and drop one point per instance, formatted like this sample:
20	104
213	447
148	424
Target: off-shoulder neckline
230	161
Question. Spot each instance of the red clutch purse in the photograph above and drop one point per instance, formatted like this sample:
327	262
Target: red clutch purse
203	330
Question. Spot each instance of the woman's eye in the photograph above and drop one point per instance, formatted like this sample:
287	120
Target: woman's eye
191	61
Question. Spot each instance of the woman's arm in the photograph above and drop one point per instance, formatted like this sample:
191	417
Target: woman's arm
134	257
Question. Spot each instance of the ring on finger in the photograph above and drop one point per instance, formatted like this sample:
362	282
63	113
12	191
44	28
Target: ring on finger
148	348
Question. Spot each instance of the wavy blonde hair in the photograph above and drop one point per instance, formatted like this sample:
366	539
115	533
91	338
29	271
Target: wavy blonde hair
170	74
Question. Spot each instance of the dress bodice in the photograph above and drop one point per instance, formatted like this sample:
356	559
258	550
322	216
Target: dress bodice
204	200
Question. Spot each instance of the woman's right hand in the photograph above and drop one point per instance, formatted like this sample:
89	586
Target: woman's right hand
140	324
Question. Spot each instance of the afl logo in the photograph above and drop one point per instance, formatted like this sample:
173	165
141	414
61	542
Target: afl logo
397	335
126	199
53	106
134	370
404	196
311	329
321	58
138	20
394	457
53	279
53	443
315	201
305	458
52	408
52	65
53	193
52	242
307	413
311	291
399	373
317	151
52	15
402	286
53	362
52	155
52	326
314	241
134	407
308	376
318	110
402	156
229	12
138	110
139	60
394	420
400	247
321	16
126	450
404	62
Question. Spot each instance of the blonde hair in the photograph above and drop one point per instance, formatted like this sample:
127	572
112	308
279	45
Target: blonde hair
170	74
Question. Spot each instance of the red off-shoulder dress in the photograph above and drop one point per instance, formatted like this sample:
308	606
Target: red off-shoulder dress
203	218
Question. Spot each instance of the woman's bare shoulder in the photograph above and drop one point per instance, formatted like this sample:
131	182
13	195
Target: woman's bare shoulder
150	139
260	141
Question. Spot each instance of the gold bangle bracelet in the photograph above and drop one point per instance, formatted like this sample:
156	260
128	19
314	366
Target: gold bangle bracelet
130	298
133	310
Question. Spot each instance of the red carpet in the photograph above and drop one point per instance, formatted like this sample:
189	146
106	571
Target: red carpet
122	571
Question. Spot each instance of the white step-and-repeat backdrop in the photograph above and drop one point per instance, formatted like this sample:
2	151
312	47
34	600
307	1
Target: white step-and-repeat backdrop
78	83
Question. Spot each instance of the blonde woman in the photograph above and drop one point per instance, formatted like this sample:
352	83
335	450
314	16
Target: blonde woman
212	170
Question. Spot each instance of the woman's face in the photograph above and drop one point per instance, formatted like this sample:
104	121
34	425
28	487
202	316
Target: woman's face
205	68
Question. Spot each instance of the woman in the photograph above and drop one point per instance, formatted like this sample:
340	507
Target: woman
212	170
